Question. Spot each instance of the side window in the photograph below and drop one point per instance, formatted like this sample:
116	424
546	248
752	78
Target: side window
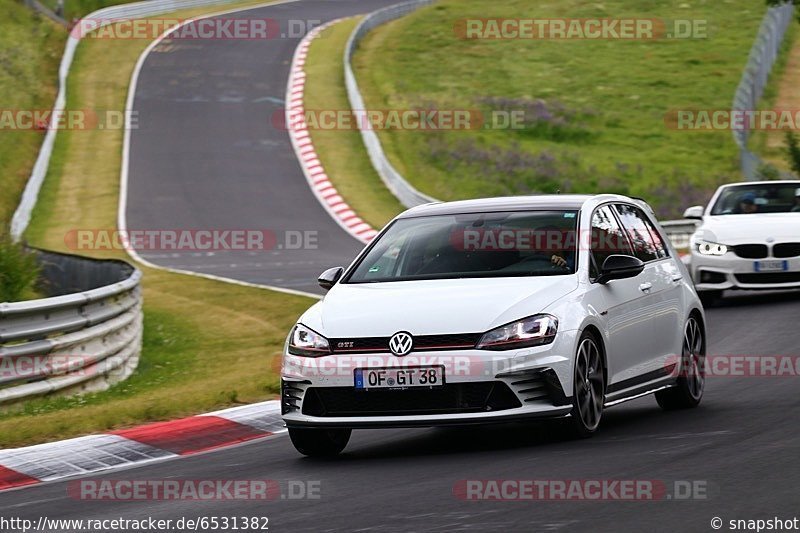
647	244
607	238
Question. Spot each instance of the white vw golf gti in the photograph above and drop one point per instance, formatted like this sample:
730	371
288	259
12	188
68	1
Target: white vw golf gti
496	310
749	238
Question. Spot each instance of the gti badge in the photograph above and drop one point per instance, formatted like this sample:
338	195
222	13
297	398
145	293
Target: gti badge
401	343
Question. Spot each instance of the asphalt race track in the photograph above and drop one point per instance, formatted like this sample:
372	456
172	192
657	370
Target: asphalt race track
743	443
218	163
207	154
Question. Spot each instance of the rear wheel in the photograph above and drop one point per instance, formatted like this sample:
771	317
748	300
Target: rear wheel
692	378
319	442
589	387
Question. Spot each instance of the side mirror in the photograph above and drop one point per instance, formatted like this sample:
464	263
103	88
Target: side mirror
694	212
620	267
329	278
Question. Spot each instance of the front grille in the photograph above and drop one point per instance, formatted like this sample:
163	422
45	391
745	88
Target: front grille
769	277
751	251
787	249
459	341
451	398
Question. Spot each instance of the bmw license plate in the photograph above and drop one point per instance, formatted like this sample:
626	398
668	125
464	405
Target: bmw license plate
771	266
427	377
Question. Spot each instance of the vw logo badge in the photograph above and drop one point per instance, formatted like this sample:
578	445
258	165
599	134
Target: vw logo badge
401	343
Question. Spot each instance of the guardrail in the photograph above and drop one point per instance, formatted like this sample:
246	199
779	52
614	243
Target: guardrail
85	337
754	78
394	181
105	16
680	231
46	11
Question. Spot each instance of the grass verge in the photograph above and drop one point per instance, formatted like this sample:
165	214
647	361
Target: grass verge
207	344
594	109
341	150
30	51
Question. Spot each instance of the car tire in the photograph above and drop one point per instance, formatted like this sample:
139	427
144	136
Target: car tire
689	387
315	442
710	298
588	388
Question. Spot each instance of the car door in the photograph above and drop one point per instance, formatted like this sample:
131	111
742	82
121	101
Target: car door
625	308
663	294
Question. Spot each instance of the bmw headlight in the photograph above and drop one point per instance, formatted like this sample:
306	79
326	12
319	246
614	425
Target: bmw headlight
307	342
710	248
532	331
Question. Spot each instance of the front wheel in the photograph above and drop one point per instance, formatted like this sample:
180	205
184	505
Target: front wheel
692	378
319	442
588	390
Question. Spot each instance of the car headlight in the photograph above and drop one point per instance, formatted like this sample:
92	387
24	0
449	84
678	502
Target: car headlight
710	248
532	331
307	342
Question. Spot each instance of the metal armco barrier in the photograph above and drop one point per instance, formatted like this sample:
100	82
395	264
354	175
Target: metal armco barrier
404	191
105	16
85	337
680	231
755	76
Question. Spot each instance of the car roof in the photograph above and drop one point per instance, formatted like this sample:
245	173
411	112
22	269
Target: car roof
759	183
537	202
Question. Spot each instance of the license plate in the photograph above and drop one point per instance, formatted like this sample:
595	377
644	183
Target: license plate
427	377
771	266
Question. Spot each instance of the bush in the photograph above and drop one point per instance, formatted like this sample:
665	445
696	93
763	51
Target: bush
767	172
793	151
18	271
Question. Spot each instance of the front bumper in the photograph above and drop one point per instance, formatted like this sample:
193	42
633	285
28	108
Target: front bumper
714	273
480	387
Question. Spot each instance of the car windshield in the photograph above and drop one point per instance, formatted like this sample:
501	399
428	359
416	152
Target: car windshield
758	198
526	243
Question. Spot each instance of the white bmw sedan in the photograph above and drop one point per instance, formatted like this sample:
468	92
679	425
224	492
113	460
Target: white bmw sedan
496	310
749	238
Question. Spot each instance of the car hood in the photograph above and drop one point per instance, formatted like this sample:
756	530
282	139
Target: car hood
432	307
742	229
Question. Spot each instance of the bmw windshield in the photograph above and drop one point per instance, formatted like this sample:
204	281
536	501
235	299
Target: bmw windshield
758	198
477	245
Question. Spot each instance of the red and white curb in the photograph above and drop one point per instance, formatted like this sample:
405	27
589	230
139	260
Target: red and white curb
152	442
312	167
